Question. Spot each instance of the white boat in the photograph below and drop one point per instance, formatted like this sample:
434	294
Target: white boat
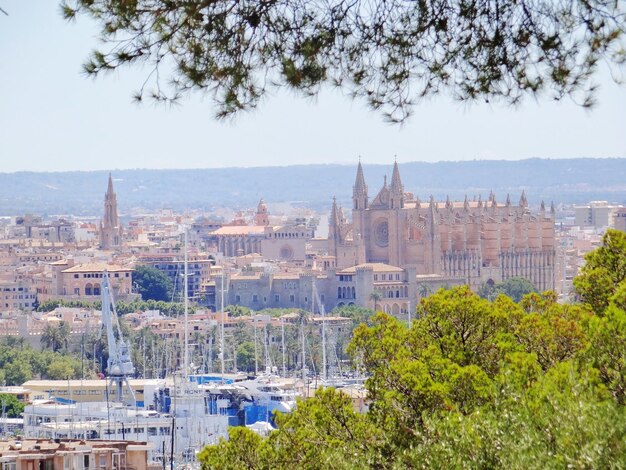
177	419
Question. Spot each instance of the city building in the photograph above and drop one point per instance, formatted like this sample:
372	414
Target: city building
16	294
172	264
285	242
619	219
471	240
110	228
66	280
60	454
597	214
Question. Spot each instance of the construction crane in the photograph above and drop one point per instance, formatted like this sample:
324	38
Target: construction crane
119	365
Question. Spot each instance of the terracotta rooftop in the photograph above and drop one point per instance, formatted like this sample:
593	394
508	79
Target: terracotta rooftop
96	267
240	230
376	267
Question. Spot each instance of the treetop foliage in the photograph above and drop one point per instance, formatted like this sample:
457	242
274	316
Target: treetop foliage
602	280
472	384
392	54
152	283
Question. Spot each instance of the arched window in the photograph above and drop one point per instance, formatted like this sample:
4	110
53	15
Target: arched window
397	294
353	293
96	289
338	292
88	289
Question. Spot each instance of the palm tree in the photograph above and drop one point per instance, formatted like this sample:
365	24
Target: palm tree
424	290
56	337
63	334
375	296
48	338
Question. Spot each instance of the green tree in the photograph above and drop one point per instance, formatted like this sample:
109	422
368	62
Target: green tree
604	272
515	288
152	283
62	368
375	297
56	337
237	310
391	54
246	356
473	384
16	373
11	405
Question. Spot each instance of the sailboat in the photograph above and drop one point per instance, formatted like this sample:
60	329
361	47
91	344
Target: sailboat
175	417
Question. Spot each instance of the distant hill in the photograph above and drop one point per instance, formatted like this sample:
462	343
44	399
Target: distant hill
81	193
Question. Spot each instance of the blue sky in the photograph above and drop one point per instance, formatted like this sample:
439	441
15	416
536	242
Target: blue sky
52	118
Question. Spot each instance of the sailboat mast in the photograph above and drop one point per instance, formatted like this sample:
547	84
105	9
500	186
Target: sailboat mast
268	366
323	312
256	355
223	351
303	351
282	328
186	294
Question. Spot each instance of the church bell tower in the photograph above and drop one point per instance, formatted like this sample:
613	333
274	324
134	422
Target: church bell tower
110	228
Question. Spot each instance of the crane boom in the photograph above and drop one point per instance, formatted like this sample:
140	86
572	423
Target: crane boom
119	365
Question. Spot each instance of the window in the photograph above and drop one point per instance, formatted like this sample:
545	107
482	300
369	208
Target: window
255	298
237	298
292	298
75	276
276	298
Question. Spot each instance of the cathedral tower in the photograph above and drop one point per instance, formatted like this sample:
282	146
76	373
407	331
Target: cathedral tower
396	196
110	228
359	208
359	190
261	217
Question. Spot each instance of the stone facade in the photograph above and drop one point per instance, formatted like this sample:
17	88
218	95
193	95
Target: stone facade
472	240
273	242
110	228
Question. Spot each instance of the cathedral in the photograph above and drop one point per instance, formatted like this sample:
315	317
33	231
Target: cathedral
110	228
474	241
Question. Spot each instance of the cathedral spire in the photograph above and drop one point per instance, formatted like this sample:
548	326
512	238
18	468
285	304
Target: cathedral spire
110	186
359	184
359	190
523	202
397	189
396	182
334	213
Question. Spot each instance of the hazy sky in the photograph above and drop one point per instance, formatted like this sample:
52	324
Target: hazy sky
53	119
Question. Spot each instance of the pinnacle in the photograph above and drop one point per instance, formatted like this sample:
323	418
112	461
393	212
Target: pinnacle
359	184
396	182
